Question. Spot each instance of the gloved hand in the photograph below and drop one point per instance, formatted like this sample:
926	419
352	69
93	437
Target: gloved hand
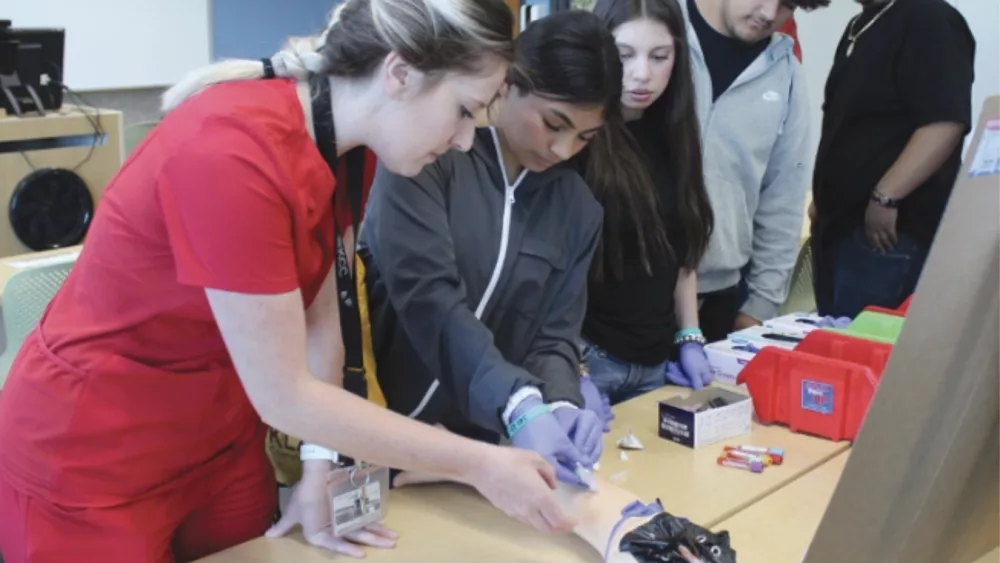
675	375
595	402
834	322
544	434
694	363
586	431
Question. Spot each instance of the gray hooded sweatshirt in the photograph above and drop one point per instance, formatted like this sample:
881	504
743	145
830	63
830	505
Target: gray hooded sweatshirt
755	142
477	289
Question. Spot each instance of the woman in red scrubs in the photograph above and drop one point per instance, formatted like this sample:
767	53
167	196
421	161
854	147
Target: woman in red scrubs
203	302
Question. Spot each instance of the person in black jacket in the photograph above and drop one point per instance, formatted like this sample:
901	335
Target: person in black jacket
898	103
477	268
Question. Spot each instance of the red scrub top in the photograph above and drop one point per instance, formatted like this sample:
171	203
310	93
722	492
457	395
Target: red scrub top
126	389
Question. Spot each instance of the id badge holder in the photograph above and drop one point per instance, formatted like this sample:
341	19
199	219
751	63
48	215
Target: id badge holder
359	496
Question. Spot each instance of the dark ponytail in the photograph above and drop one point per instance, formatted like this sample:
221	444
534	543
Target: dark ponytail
674	118
620	180
572	56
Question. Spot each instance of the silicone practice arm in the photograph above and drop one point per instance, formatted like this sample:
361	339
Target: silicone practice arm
596	513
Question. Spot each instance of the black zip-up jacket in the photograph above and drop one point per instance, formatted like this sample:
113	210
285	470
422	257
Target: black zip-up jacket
431	244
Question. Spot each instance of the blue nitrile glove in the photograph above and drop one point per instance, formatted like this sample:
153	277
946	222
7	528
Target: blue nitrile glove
675	375
534	427
834	322
694	364
585	429
595	402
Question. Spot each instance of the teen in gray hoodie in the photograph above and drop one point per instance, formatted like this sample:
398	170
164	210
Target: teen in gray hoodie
477	268
754	113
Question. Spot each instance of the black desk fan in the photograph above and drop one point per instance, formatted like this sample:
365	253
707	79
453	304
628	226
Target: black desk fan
51	208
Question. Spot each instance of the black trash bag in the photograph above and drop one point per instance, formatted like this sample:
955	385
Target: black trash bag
660	539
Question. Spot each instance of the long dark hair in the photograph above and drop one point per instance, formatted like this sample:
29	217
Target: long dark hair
572	56
674	118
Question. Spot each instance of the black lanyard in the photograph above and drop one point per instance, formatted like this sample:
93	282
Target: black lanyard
347	290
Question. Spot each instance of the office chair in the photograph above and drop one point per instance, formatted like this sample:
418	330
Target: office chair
25	297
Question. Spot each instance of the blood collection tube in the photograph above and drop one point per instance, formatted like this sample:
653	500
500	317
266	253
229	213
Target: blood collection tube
754	466
746	456
777	454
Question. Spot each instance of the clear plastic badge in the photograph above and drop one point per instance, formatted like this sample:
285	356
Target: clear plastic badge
359	496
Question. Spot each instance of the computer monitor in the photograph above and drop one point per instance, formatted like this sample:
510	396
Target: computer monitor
31	68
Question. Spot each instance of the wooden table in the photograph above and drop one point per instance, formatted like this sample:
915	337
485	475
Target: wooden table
449	523
779	528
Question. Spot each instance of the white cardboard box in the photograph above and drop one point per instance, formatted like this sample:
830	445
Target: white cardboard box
767	336
726	362
689	421
795	322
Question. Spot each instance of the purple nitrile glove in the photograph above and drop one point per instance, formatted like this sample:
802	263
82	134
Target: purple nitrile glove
834	322
694	364
545	435
606	402
676	376
585	429
595	402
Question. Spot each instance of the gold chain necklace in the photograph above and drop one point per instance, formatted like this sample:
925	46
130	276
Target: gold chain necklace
852	37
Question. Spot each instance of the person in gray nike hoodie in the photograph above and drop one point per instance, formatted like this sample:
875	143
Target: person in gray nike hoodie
754	113
477	268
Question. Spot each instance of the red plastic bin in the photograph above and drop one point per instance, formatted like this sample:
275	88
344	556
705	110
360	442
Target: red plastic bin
839	346
809	393
884	311
899	312
905	306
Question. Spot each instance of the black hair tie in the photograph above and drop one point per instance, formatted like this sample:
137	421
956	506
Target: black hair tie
268	68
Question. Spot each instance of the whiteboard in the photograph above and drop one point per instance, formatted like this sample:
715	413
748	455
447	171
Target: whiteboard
113	44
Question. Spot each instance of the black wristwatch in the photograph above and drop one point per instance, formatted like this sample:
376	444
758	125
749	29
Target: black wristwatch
884	200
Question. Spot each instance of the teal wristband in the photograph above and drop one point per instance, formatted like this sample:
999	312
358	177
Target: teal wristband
687	332
525	418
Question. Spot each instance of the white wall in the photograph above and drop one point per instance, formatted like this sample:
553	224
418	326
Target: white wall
121	43
820	31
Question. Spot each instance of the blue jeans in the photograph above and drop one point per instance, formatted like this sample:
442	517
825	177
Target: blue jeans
618	379
862	276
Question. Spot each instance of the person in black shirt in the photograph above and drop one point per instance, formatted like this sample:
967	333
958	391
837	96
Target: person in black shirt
898	103
642	297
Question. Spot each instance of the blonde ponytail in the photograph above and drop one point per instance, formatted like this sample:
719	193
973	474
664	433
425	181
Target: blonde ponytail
299	58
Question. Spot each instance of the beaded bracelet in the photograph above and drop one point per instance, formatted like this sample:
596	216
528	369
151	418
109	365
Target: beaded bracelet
696	339
687	335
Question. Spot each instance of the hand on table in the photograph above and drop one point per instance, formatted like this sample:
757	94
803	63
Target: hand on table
595	402
744	321
880	226
690	557
518	482
310	508
692	369
546	435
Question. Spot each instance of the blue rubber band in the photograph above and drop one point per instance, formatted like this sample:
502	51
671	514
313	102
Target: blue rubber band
635	509
525	418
